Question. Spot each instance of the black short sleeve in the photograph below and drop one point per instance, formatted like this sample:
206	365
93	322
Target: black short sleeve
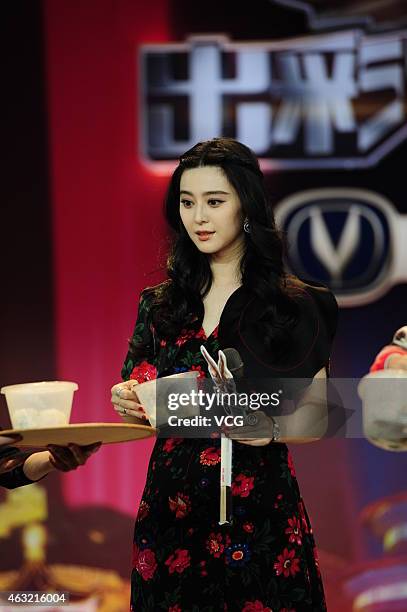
308	350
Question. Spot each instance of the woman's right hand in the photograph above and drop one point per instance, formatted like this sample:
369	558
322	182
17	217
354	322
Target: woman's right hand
125	400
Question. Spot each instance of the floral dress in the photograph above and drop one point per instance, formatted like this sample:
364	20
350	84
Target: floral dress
183	560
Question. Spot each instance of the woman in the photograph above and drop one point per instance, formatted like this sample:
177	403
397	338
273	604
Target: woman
226	287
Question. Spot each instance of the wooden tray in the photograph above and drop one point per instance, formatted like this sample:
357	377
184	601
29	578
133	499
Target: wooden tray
80	433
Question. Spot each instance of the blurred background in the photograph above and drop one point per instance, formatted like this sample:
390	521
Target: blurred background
101	98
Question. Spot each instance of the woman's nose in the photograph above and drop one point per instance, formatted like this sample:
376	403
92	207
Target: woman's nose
200	213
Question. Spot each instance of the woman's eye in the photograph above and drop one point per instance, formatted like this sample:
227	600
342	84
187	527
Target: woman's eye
212	203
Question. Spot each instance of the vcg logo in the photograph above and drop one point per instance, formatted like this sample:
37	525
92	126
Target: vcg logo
352	240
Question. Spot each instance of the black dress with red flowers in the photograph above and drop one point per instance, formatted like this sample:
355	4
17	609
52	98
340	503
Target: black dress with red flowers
183	560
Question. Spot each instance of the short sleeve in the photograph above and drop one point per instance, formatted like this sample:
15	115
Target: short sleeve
141	344
325	309
311	338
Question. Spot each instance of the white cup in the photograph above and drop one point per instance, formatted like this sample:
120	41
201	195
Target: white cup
384	398
39	404
183	382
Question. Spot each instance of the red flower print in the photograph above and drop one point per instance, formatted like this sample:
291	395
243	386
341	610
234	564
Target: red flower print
294	529
215	332
279	498
210	456
143	510
171	443
143	372
144	562
304	522
214	544
195	368
237	554
184	336
163	342
175	608
290	462
287	563
178	561
242	485
181	505
255	606
249	527
200	334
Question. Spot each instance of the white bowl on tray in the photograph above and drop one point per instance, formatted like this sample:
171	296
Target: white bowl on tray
39	404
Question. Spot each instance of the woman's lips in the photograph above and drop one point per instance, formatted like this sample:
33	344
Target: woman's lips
204	235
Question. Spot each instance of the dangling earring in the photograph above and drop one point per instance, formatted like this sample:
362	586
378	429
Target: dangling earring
246	225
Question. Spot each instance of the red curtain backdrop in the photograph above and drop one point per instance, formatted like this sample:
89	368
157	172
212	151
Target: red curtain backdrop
107	221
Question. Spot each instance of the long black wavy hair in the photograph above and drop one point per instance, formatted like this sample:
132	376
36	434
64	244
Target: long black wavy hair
188	270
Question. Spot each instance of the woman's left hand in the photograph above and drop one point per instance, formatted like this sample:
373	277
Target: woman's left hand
261	432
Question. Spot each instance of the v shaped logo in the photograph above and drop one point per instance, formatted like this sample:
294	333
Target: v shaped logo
334	258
